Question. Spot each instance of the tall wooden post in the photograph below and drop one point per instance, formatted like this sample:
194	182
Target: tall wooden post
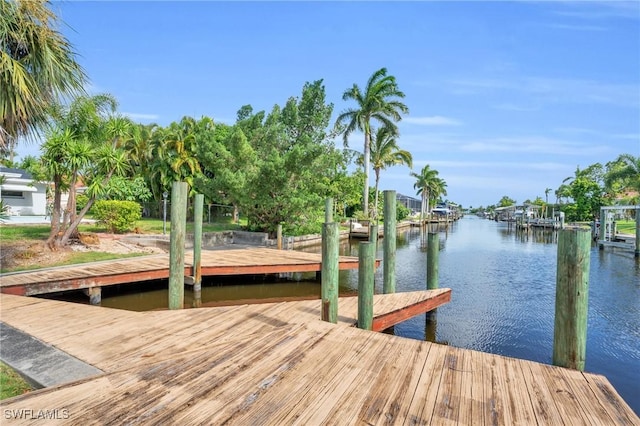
572	296
328	210
373	233
366	274
198	208
602	235
637	251
329	278
389	241
176	255
433	252
279	236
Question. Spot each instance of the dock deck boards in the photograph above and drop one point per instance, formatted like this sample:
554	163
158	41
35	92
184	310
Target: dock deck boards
214	262
276	364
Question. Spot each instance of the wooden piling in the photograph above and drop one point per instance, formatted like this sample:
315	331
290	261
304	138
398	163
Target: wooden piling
602	235
389	241
366	271
176	255
430	326
328	210
637	251
329	277
572	296
197	250
279	236
433	252
95	295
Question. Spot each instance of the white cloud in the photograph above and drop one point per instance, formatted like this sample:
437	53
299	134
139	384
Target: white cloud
603	9
576	27
558	90
434	120
139	116
438	164
513	107
533	145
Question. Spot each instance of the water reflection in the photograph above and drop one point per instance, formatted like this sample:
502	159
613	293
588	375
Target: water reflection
503	297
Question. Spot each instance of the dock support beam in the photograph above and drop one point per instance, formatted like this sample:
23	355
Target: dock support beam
389	241
572	297
177	237
366	274
637	251
197	250
95	295
329	276
433	252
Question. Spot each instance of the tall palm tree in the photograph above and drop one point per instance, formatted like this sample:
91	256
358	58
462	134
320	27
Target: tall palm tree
385	152
629	171
379	101
424	183
437	189
37	68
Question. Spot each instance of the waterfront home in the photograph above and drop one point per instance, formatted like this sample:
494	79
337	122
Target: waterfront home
22	195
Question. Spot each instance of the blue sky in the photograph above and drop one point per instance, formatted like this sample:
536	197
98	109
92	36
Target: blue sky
505	98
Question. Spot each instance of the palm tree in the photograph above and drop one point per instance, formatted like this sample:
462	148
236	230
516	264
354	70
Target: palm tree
37	69
424	183
386	153
437	189
85	142
629	171
378	102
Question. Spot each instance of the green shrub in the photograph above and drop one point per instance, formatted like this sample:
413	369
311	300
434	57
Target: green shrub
117	216
402	212
81	202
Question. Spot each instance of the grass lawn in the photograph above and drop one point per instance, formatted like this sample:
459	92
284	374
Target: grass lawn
11	383
626	227
10	233
25	236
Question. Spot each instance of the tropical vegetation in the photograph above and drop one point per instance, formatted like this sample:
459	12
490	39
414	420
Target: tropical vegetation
38	68
581	195
385	152
430	187
379	101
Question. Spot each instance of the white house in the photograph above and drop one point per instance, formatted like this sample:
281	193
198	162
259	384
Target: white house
23	195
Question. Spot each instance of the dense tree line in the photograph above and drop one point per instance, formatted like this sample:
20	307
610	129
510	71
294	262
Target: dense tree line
582	195
275	167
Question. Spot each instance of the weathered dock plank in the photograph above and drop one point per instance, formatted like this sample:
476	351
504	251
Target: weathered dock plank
275	364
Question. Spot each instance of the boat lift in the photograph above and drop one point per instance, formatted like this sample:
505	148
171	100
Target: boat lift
607	232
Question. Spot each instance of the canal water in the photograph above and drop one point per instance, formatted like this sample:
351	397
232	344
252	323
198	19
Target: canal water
503	296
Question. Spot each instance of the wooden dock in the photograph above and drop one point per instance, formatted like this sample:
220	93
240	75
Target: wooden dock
279	364
123	271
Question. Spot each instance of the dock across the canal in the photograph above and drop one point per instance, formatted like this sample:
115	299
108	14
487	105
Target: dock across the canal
278	364
245	261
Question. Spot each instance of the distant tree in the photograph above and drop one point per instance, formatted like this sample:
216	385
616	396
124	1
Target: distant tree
505	201
438	188
37	69
378	101
385	152
586	191
625	173
424	183
546	194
